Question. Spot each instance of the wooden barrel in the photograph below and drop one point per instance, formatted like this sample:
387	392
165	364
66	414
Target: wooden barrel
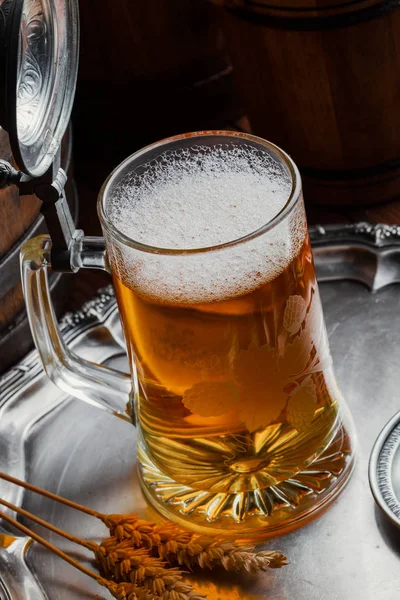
21	220
148	70
321	79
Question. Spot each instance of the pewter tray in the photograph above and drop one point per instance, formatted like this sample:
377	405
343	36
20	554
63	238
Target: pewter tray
349	553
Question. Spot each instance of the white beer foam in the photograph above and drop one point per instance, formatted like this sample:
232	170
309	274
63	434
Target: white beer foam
186	200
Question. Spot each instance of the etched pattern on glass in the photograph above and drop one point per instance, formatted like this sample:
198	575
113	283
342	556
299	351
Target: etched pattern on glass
32	51
266	381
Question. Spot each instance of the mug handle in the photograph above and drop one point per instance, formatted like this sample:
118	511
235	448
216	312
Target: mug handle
98	385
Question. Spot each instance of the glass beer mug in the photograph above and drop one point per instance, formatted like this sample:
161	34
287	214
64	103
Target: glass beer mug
241	426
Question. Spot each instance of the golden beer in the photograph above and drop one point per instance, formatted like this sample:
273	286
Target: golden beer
229	390
233	390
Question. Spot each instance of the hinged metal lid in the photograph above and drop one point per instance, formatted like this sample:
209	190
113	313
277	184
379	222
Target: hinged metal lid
39	47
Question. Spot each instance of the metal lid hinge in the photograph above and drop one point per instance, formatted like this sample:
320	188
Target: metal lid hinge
59	221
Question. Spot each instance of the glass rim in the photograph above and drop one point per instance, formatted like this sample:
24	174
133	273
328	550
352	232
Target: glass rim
289	205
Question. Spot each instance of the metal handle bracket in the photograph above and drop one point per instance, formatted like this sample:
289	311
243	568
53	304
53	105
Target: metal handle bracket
50	190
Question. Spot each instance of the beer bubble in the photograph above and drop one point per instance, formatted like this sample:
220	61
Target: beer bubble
195	198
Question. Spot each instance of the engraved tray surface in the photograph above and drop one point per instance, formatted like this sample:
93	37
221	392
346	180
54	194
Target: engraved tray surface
66	446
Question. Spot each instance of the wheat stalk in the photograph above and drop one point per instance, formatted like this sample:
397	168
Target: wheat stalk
122	562
177	546
135	555
126	591
129	591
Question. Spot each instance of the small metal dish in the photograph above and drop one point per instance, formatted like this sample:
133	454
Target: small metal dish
384	470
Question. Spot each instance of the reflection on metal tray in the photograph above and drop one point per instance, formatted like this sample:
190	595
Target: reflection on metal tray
362	252
71	448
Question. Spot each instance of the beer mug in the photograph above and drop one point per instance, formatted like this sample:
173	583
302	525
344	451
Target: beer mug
242	430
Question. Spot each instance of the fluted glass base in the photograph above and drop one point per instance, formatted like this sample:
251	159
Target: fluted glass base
257	514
